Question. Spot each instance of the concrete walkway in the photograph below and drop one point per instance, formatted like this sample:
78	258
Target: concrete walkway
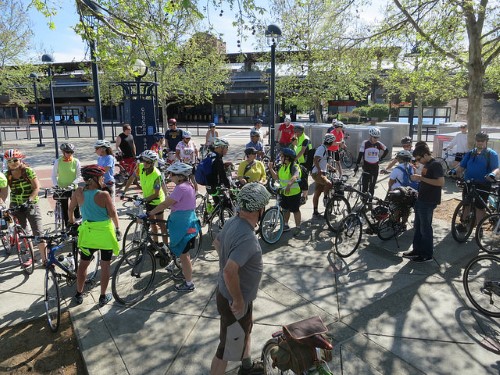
385	314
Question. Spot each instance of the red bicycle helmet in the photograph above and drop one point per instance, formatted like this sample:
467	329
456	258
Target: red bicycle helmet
172	121
13	153
91	171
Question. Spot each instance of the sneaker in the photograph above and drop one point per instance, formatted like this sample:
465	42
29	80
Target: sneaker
256	369
317	215
421	259
461	228
184	287
177	276
104	299
286	228
297	231
410	254
79	298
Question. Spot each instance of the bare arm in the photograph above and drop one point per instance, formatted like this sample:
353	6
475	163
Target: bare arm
232	281
118	140
431	181
168	202
35	186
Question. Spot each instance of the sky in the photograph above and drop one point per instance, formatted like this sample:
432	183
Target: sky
66	46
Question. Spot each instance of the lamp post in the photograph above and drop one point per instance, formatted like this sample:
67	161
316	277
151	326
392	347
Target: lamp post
139	69
157	107
273	35
95	78
34	76
49	59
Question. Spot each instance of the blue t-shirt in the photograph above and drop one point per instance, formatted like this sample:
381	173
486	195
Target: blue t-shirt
107	161
257	145
475	165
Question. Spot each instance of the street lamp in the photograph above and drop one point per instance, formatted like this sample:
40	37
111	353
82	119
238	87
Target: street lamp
273	35
139	69
49	59
34	77
89	13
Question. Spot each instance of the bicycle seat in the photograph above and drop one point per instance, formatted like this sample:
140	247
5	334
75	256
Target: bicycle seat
308	332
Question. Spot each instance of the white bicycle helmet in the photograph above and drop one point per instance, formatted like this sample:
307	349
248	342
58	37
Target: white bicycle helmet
374	132
253	197
149	155
404	155
180	168
220	142
329	139
254	133
102	143
186	134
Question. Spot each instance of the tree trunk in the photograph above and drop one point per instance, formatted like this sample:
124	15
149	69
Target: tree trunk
420	113
475	102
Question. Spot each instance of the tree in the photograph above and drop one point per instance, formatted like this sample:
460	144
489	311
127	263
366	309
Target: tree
464	32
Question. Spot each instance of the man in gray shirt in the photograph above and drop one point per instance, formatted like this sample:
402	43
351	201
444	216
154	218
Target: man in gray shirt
240	271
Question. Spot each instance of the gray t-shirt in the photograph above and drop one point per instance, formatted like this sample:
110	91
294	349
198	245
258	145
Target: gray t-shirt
240	244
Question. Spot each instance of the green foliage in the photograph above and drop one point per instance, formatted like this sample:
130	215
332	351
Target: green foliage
361	111
379	112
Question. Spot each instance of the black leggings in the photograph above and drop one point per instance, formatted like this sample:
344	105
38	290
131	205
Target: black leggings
369	180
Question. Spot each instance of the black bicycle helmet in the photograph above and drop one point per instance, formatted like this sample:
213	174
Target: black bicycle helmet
406	140
482	136
91	171
67	147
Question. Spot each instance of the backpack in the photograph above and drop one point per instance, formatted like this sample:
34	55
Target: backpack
406	178
309	163
204	170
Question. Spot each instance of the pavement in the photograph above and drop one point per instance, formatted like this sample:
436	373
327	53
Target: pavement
385	314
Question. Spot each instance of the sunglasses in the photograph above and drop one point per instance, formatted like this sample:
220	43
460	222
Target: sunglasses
12	160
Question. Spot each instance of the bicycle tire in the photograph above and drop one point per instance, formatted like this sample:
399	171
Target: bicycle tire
58	218
193	253
267	359
52	299
201	206
347	159
468	223
272	185
348	236
93	268
444	164
24	251
133	275
215	225
488	234
271	225
480	270
6	243
336	209
134	235
387	229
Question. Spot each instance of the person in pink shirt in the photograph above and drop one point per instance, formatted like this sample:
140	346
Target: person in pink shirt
186	152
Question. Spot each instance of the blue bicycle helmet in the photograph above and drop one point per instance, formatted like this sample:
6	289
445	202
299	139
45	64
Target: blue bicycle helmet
289	152
158	136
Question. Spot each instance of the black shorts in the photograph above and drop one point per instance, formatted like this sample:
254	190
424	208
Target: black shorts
233	333
106	255
291	202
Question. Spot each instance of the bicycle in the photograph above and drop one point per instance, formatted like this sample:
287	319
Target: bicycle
336	205
444	162
464	216
121	173
58	194
13	239
346	157
135	271
272	223
299	348
382	223
52	293
488	233
481	282
215	214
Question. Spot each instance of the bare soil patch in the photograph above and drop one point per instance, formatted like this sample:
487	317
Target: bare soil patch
445	210
31	348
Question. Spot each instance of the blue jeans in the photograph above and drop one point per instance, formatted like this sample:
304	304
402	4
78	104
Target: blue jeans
423	238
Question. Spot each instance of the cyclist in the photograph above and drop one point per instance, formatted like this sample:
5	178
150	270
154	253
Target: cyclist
304	144
251	170
151	186
406	143
106	160
159	143
255	142
125	146
212	133
66	173
337	130
173	135
24	187
183	224
369	153
285	133
99	229
186	152
479	165
258	128
289	174
460	143
240	272
318	173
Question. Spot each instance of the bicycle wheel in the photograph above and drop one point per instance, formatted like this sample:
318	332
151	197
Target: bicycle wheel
488	234
347	160
271	225
348	236
52	301
6	243
268	352
201	206
336	209
387	229
58	218
215	225
482	284
444	164
133	276
93	267
193	253
24	251
121	176
272	185
134	235
463	221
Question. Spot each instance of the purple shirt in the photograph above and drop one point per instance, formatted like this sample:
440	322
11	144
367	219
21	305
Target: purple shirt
184	197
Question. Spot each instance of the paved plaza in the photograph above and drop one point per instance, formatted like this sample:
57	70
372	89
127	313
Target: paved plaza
386	315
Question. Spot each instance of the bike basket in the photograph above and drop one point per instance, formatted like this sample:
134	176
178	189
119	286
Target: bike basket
3	224
380	213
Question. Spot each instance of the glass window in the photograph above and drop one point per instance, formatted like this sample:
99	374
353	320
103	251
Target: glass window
428	112
441	112
404	111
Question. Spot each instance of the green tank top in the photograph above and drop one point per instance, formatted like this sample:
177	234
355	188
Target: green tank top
66	172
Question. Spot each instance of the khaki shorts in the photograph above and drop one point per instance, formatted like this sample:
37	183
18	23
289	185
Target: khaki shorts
320	179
